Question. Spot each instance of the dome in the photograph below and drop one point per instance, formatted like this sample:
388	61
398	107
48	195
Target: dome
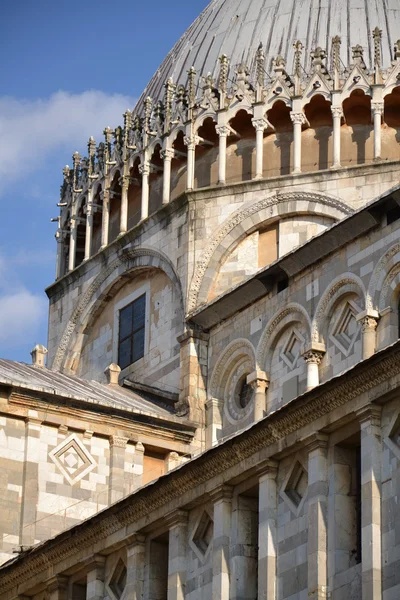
236	28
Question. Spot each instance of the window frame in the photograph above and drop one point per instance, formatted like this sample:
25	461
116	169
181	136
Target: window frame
143	290
132	331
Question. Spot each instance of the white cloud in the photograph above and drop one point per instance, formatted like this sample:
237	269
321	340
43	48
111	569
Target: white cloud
21	316
31	130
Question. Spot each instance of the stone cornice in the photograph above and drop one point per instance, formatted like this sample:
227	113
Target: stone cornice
305	410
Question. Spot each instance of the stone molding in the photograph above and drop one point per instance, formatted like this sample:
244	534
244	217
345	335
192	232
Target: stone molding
376	283
315	404
117	441
243	213
155	259
236	349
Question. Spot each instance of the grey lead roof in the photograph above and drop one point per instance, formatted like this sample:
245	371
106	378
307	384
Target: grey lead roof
46	381
236	28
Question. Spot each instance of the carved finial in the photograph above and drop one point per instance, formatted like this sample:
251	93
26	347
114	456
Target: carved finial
112	373
298	50
279	64
147	113
191	87
100	157
127	120
168	97
260	62
92	155
317	58
336	42
223	74
118	134
377	36
358	52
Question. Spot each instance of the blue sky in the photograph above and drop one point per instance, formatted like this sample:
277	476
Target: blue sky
68	71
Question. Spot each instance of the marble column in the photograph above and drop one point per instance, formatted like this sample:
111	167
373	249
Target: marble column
144	170
371	456
223	132
317	517
57	588
313	359
190	142
337	114
259	125
267	533
135	567
123	220
95	578
177	551
116	489
72	243
89	230
368	331
214	417
377	112
259	381
60	237
298	120
167	155
222	500
105	217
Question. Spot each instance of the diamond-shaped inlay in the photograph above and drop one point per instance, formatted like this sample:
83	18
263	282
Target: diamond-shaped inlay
294	489
346	328
117	582
292	349
202	535
72	459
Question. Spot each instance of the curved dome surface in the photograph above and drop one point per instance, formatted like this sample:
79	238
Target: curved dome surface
236	28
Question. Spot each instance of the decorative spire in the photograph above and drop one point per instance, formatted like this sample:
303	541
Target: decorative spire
147	114
168	97
191	93
76	161
336	42
298	51
223	74
377	36
92	156
260	62
108	133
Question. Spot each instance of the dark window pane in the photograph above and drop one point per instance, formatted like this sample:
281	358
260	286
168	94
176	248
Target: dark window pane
125	322
124	358
138	345
139	312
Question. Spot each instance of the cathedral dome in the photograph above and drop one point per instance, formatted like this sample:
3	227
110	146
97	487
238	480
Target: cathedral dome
236	28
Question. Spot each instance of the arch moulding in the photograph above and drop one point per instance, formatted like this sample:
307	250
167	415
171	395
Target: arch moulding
233	352
279	203
128	261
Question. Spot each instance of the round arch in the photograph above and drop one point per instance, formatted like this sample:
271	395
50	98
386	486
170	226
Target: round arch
94	297
292	313
347	283
274	205
237	349
381	275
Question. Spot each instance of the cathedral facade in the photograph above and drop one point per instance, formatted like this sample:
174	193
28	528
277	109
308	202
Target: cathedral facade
219	416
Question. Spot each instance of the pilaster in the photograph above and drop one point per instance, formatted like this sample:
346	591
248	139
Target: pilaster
267	532
95	578
222	499
116	489
178	536
135	567
31	482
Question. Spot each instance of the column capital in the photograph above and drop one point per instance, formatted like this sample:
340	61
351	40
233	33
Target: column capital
368	322
260	124
144	169
136	539
258	379
377	108
214	402
313	356
176	518
191	141
223	130
167	154
298	118
337	112
118	441
370	414
316	441
190	334
267	469
223	493
97	561
58	582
